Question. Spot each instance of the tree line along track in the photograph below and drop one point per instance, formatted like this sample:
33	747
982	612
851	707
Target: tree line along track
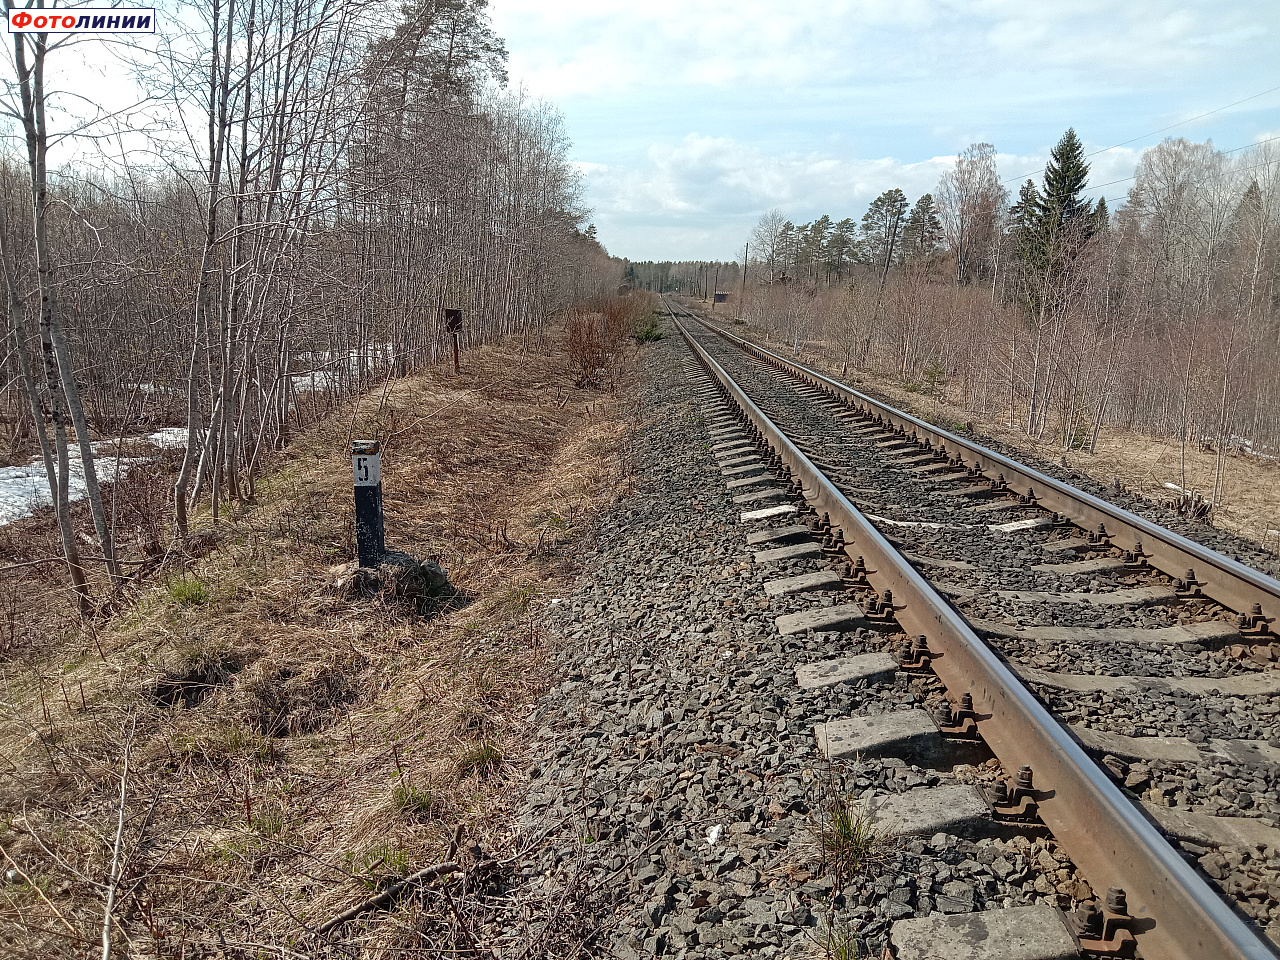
879	483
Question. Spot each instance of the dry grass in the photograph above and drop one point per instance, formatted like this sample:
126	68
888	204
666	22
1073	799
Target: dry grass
291	747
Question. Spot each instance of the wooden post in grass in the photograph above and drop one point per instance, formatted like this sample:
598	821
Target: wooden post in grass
453	324
366	469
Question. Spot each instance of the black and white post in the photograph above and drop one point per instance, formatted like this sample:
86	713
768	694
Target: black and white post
366	469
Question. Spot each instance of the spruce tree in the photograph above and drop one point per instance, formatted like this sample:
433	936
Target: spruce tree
1248	212
1065	177
1101	216
1049	227
1025	218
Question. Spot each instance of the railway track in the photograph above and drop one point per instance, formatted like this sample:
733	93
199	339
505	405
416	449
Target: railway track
1102	659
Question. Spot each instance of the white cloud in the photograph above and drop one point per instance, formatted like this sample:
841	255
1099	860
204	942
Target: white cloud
580	49
693	116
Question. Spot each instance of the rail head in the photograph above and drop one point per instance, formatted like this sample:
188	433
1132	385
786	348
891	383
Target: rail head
1109	839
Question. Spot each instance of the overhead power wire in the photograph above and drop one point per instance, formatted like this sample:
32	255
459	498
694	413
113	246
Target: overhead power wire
1256	166
1258	143
1144	136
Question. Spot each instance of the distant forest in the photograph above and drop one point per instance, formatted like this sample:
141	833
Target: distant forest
1050	311
695	278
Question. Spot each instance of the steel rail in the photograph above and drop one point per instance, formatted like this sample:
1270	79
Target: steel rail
1227	581
1178	916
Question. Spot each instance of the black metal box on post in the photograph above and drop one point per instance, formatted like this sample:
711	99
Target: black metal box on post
453	325
366	469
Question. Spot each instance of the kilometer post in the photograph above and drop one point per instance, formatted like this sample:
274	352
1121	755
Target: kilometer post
366	469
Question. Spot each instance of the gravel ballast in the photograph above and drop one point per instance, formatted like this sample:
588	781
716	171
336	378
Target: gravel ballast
676	789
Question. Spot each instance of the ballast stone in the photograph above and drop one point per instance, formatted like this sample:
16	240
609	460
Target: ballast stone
1017	933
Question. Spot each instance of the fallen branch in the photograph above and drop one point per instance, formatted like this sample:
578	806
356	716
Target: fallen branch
388	895
113	878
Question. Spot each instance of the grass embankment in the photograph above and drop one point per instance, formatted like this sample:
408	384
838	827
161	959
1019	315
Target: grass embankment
285	745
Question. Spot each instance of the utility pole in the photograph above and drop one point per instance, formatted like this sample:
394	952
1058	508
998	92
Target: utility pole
715	289
742	297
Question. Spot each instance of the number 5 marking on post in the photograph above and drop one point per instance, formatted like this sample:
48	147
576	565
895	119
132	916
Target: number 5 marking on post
366	469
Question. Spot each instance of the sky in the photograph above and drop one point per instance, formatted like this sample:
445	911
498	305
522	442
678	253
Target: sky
691	118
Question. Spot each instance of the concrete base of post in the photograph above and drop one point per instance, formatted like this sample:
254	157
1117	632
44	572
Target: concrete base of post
422	585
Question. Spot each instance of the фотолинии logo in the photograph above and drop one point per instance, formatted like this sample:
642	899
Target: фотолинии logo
83	20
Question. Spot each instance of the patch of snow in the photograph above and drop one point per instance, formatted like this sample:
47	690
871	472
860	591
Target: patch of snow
325	366
168	438
1264	451
24	490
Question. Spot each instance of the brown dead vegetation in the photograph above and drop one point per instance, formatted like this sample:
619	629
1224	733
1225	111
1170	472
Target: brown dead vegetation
596	334
284	746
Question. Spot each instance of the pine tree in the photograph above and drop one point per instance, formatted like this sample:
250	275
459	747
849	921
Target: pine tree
788	248
813	243
841	246
882	228
922	234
